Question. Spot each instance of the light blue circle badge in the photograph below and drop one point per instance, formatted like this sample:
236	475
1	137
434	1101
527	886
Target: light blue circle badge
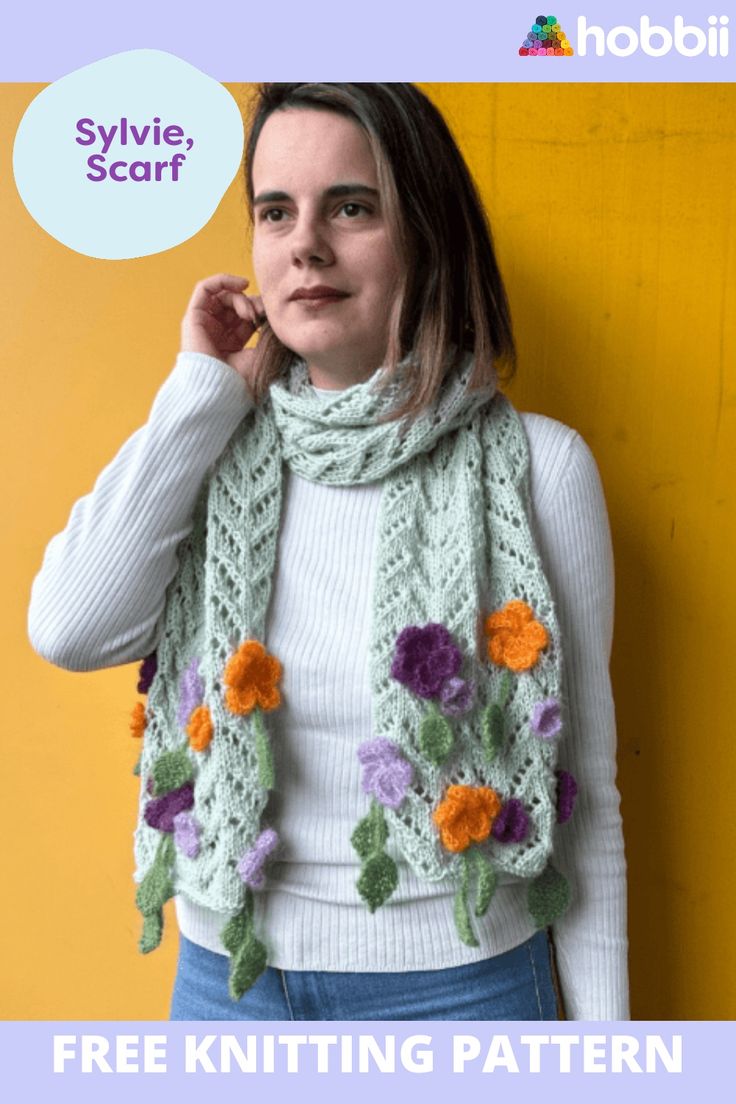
128	156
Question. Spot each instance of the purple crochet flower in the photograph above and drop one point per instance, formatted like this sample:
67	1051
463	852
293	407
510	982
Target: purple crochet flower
425	658
146	672
546	719
186	834
386	774
250	867
456	697
192	692
567	789
512	823
160	811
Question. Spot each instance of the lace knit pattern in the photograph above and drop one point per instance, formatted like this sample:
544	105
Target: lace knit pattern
454	544
450	557
208	608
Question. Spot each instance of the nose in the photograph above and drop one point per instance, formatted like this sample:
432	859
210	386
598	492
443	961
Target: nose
309	242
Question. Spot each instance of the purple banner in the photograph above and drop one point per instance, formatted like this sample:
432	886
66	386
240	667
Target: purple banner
77	1061
465	40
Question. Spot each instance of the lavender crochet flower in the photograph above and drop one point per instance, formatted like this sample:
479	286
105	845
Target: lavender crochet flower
456	697
186	834
386	774
425	657
512	823
160	811
192	692
250	867
146	673
546	719
567	790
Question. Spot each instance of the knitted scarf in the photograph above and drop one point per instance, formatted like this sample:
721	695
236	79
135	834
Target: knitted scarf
465	665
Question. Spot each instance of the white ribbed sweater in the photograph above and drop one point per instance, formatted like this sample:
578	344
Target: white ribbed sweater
97	602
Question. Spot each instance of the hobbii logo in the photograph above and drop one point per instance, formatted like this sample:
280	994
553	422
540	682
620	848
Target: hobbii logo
656	41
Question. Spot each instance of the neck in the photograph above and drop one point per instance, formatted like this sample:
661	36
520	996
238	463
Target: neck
338	377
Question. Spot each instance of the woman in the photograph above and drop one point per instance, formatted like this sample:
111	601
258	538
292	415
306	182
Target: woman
356	570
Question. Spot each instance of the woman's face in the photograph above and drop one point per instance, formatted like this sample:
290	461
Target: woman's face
319	228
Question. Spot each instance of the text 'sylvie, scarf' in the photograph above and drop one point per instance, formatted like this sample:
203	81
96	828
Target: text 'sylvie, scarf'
465	666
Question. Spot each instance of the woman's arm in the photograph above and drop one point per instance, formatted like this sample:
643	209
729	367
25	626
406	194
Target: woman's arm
98	597
574	540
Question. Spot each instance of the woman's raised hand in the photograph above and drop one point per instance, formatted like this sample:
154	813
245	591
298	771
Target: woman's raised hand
220	319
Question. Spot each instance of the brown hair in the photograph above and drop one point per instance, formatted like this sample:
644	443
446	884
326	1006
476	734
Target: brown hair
451	298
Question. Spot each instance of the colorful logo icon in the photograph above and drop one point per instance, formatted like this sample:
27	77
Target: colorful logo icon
546	39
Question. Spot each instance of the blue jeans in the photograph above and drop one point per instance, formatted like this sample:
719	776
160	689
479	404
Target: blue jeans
517	985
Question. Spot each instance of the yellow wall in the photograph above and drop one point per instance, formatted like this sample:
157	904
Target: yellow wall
613	211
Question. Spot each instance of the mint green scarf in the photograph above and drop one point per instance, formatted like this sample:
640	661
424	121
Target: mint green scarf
455	544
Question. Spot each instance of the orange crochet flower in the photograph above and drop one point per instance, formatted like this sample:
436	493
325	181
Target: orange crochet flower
200	728
138	720
466	815
251	676
515	639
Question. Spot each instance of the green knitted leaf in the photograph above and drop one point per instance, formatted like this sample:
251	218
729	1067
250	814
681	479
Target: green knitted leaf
155	890
362	837
234	933
462	920
486	883
166	849
246	966
153	926
462	915
170	771
378	879
370	834
266	775
137	767
156	886
549	896
435	737
493	723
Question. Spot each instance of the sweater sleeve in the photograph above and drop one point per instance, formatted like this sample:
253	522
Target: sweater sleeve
575	544
98	597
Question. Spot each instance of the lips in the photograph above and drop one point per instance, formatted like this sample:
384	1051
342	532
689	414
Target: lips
319	291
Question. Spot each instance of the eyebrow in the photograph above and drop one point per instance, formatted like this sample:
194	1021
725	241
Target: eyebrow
335	191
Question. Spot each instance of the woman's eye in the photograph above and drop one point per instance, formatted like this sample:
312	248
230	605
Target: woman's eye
353	209
272	214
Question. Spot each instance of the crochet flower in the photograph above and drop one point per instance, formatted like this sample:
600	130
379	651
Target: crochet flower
186	834
567	791
138	719
515	639
251	676
146	671
191	692
456	697
425	657
250	867
200	728
466	815
546	718
160	811
386	774
512	823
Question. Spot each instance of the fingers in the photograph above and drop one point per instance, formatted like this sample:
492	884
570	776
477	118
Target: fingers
232	342
248	308
237	321
220	318
231	323
205	289
216	294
